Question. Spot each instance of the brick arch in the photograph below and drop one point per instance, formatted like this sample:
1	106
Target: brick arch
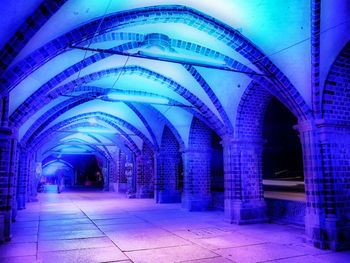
166	14
24	110
167	123
244	155
107	118
59	160
169	143
55	112
101	152
103	146
137	41
201	81
200	135
27	30
123	142
145	122
336	94
251	111
64	106
41	99
112	120
169	180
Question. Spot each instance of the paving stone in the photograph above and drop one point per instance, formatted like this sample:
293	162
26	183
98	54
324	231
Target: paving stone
91	255
174	254
57	245
17	249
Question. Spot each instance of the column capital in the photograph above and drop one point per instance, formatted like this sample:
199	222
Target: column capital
168	155
5	131
228	141
192	150
321	124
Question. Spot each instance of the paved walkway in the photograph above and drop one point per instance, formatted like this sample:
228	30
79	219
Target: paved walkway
105	227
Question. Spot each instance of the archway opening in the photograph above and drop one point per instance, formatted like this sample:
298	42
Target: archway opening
282	155
282	165
217	172
85	171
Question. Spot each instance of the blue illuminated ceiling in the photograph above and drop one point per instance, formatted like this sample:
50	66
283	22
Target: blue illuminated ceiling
52	84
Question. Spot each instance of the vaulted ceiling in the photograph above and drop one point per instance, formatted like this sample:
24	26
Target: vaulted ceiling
56	89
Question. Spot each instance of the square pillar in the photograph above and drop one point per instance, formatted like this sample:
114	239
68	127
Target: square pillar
144	177
197	194
326	155
167	178
7	178
22	179
122	182
244	200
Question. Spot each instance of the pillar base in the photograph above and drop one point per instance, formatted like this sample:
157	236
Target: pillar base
145	192
245	212
167	196
7	225
113	187
122	187
21	202
334	235
2	228
118	187
197	203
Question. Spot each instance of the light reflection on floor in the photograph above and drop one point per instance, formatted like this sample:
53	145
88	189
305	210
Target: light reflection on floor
105	227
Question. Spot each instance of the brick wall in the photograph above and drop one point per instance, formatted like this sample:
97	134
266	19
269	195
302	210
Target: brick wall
8	163
197	192
336	93
22	179
169	179
145	173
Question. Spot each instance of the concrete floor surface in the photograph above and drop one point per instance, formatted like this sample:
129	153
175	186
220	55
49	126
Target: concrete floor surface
106	227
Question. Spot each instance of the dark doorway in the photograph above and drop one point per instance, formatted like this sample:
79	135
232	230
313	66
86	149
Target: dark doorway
282	155
217	172
86	170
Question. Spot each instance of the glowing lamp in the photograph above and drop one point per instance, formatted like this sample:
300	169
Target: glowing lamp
73	150
94	130
181	58
137	98
93	120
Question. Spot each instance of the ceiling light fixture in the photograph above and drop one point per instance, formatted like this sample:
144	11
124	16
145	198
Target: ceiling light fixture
172	60
137	98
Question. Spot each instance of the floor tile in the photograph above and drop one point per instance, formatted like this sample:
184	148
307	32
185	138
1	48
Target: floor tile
166	255
17	249
99	226
259	253
26	259
92	255
57	245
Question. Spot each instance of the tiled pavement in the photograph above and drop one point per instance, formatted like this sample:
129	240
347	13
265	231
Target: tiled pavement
106	227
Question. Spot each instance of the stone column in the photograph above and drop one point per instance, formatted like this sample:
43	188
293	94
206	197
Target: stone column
244	200
7	177
144	177
31	189
197	193
326	155
16	174
22	179
122	183
167	178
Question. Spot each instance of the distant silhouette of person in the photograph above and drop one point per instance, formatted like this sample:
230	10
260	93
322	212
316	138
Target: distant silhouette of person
59	180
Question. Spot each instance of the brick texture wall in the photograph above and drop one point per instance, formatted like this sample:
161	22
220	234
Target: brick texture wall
169	182
197	192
